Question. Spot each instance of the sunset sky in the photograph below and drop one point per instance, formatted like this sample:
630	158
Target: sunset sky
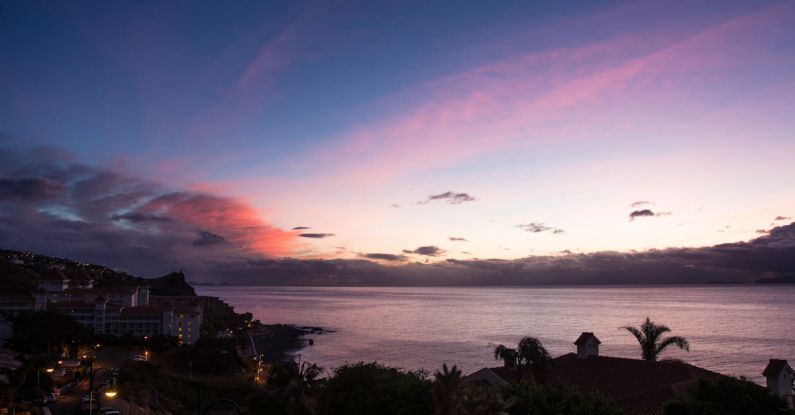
393	131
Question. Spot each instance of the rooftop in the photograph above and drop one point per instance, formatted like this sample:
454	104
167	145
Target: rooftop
102	290
636	386
62	305
584	337
775	366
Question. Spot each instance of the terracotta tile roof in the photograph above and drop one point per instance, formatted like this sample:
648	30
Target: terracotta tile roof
636	386
101	290
584	337
187	309
774	367
60	305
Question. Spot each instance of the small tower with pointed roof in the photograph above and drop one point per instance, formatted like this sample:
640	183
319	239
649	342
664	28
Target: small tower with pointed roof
587	345
780	378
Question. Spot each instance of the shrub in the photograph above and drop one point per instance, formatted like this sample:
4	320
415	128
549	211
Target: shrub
372	388
728	397
535	399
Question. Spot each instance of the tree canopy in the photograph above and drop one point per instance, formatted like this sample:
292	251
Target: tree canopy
728	397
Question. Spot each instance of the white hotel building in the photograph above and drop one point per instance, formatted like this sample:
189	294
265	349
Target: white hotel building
118	311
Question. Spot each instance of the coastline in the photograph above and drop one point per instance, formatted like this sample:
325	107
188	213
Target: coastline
279	342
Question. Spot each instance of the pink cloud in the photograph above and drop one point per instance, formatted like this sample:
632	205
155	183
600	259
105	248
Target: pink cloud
234	220
540	98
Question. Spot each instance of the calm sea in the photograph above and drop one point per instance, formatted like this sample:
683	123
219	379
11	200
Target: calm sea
731	329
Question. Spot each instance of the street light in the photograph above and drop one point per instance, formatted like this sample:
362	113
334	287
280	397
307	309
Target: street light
111	393
49	370
93	372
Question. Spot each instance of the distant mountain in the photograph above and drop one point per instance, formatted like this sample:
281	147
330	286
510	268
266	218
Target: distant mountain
20	273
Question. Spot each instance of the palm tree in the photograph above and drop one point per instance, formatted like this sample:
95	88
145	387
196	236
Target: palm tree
651	343
533	354
454	396
529	353
506	354
446	390
294	384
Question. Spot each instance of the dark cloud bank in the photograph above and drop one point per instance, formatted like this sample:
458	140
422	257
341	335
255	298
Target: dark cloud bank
52	206
772	255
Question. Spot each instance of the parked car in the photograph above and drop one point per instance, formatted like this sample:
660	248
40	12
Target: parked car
113	412
105	409
139	358
52	398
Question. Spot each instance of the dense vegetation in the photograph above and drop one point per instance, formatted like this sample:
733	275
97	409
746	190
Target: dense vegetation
209	356
215	321
372	388
728	397
47	333
180	393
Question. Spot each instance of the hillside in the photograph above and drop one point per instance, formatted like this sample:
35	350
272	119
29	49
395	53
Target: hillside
20	274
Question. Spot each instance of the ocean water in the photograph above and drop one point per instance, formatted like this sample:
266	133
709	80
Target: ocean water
731	329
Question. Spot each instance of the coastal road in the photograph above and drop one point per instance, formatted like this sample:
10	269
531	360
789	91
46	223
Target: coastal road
69	403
